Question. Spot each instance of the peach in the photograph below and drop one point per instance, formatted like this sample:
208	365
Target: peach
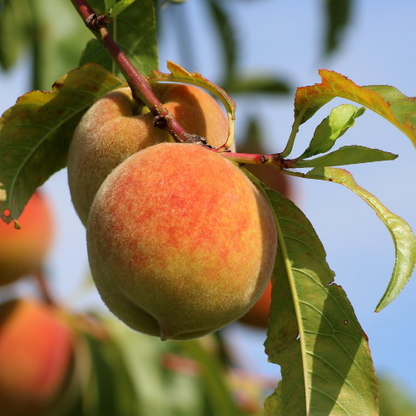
180	242
35	355
115	127
23	251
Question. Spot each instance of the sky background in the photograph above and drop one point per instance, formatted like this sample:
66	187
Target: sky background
285	39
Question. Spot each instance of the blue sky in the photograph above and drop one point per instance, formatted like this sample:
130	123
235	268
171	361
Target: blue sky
285	38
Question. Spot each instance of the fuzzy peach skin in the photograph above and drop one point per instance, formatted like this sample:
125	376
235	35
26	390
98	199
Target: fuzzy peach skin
180	242
23	251
258	315
35	355
115	127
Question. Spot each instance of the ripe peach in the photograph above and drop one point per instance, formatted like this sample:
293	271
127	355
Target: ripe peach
35	355
180	242
23	251
115	127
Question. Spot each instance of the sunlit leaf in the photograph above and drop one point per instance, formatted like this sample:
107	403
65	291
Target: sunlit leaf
347	155
400	111
134	30
313	332
332	128
36	132
403	237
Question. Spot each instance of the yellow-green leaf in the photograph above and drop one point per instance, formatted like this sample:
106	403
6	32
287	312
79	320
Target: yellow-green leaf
313	332
403	237
384	100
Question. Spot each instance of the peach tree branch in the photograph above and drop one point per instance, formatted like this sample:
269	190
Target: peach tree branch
140	87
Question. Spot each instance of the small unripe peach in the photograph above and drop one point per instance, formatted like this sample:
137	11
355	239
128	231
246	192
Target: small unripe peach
23	251
180	242
35	356
115	127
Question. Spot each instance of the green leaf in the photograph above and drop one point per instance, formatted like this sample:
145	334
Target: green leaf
347	155
338	15
134	30
213	378
36	132
332	128
313	332
262	84
110	390
228	38
160	391
119	7
15	23
403	237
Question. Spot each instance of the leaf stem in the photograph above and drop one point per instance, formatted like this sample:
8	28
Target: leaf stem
293	133
141	89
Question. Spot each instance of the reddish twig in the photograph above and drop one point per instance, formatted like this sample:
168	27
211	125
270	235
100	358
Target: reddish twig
141	89
44	287
274	160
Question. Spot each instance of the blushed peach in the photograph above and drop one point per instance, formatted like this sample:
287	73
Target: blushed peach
180	242
35	354
23	251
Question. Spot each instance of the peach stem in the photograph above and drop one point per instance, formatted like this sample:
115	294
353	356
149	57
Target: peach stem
44	287
141	89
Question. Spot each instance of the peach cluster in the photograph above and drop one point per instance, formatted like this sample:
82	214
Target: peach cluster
180	242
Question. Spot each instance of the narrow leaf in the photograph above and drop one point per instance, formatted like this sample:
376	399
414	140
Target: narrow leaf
313	332
216	388
36	132
332	128
309	100
134	30
228	38
403	237
257	84
347	155
15	27
111	385
338	15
